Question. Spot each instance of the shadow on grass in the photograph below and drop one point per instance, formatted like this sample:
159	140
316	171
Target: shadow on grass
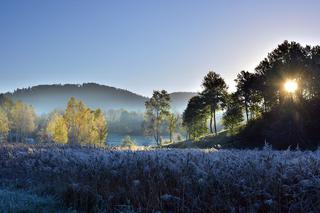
25	201
224	139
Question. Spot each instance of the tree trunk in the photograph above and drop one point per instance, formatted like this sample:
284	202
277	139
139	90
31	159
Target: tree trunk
211	117
247	111
158	128
157	135
158	140
265	104
215	123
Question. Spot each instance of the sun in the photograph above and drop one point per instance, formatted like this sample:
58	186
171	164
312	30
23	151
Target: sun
290	86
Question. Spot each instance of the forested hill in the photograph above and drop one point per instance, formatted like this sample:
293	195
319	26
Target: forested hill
45	98
179	100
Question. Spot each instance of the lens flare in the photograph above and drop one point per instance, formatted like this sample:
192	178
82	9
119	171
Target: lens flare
290	86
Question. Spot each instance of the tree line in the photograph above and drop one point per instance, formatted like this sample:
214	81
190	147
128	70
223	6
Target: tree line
258	93
78	124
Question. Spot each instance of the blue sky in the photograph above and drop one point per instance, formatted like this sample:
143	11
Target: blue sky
144	45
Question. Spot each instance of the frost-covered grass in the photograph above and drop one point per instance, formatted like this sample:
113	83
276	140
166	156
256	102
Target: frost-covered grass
23	201
183	180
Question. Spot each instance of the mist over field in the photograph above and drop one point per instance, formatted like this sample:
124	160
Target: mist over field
46	98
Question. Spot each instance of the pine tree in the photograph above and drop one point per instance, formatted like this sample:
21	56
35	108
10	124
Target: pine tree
215	90
195	117
233	116
157	108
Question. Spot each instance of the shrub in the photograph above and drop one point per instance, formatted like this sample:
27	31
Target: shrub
128	142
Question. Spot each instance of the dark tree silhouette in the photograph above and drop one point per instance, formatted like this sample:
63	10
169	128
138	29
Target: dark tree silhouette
195	117
286	119
244	87
233	115
248	91
214	93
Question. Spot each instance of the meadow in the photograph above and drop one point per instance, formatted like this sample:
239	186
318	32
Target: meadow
55	178
160	106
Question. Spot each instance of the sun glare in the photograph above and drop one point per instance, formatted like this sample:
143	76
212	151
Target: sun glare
290	86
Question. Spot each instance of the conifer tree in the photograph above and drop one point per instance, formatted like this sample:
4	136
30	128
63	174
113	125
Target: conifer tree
157	108
215	90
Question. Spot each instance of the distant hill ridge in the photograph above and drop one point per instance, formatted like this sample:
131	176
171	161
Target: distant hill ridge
45	98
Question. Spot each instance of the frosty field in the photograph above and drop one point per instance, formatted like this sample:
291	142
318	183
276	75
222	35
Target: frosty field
89	179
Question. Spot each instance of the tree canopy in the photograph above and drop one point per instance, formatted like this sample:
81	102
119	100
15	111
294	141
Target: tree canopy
157	108
215	90
85	126
273	114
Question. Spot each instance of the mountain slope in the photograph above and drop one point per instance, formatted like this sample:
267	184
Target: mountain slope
179	100
45	98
